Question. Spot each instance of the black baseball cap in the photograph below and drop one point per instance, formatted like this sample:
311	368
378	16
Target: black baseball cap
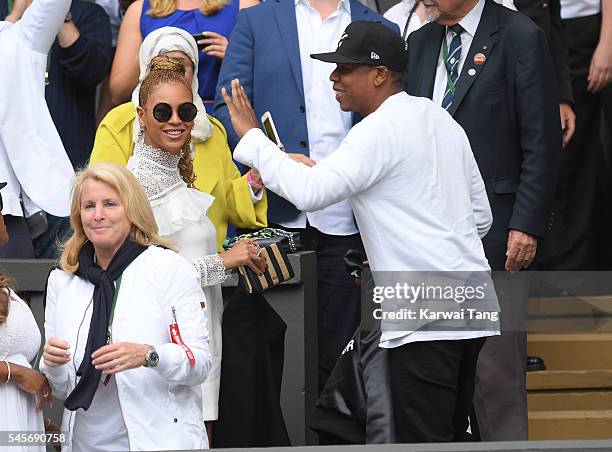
373	43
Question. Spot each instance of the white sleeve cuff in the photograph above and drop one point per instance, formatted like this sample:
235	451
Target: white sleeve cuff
256	197
246	149
174	367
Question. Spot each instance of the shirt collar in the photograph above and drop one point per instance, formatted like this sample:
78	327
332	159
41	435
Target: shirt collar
342	4
471	20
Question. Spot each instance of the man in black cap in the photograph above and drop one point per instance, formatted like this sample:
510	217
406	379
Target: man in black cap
269	51
420	204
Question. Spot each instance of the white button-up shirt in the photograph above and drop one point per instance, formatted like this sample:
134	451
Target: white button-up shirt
469	24
400	13
416	191
571	9
327	123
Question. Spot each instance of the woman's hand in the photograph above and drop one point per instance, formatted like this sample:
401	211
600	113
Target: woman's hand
244	252
255	180
215	44
32	382
118	357
241	113
56	352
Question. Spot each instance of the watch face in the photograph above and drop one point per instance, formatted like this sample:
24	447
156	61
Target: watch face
152	358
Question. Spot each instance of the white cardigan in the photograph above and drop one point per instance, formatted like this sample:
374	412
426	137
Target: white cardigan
161	406
32	156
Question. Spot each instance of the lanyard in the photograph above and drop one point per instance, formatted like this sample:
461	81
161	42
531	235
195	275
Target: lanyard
449	81
412	10
109	330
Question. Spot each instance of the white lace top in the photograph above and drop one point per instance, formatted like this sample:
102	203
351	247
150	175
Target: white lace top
19	335
174	204
156	170
19	343
181	215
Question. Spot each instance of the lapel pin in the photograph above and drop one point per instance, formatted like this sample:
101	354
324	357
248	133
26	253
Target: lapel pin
484	47
472	72
480	59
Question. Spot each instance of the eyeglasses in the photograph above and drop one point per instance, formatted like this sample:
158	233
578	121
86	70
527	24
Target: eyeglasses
187	112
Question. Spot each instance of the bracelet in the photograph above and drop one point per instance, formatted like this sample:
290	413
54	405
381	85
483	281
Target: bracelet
8	366
252	182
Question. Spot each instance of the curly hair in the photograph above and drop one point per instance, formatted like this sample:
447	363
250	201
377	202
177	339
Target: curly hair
6	283
163	8
162	70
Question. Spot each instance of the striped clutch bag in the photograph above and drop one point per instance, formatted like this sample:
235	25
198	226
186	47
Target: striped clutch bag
279	270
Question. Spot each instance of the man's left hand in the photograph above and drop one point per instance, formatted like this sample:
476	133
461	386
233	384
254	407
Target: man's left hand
600	72
240	110
568	121
521	250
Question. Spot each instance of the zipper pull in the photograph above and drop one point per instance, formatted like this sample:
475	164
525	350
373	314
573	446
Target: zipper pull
174	322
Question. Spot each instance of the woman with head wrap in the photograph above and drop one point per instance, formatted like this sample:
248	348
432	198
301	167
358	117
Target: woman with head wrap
213	20
162	162
216	173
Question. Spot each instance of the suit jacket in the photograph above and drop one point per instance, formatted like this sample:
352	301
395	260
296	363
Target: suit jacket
264	54
547	15
509	110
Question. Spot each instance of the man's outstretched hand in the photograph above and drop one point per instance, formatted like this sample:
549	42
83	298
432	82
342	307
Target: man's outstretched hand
242	114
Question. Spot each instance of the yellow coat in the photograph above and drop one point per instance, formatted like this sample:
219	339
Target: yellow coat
215	171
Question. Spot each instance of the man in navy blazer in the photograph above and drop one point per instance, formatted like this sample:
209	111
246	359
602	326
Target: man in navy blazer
269	52
506	100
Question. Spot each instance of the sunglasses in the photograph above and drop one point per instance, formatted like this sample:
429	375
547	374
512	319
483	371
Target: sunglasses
187	112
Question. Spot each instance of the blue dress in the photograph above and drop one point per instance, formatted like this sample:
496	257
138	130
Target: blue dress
194	22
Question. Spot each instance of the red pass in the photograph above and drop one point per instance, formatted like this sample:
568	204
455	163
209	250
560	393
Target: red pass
175	334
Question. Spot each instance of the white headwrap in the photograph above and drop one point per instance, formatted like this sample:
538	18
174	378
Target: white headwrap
160	42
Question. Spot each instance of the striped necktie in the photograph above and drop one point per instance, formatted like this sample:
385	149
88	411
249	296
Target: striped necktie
452	56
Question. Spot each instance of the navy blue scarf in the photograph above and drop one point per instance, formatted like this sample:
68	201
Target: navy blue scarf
104	292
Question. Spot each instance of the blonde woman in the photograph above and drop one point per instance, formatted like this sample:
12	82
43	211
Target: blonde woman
127	341
214	19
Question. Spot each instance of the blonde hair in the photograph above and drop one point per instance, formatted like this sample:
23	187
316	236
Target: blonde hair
143	228
6	284
163	8
164	69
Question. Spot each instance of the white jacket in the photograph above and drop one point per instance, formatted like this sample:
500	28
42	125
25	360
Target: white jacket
161	406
